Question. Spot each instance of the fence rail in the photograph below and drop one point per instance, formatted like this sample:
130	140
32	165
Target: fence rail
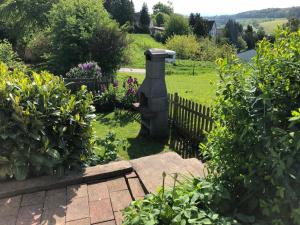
190	119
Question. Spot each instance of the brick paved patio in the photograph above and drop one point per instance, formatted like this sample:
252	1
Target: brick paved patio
96	195
82	204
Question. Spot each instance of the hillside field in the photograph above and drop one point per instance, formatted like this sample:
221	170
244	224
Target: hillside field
139	43
270	26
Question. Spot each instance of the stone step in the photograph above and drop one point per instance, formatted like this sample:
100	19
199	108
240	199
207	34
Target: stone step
150	169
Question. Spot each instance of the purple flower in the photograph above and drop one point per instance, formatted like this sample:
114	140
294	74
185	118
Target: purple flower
135	81
130	80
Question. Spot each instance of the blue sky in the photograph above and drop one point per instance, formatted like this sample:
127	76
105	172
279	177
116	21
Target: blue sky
219	7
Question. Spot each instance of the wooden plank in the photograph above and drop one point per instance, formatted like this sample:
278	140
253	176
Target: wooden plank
207	120
189	117
195	120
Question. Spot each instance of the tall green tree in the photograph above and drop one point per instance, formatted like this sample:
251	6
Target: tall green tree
250	37
23	17
82	30
121	10
144	19
199	25
233	31
163	8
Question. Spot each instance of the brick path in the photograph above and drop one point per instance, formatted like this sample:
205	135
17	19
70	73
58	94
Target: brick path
98	203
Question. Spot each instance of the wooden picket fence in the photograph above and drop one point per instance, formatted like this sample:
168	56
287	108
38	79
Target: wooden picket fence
189	118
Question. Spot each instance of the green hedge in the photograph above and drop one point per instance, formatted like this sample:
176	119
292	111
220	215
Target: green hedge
44	129
254	149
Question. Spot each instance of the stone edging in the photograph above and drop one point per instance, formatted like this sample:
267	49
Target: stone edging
101	172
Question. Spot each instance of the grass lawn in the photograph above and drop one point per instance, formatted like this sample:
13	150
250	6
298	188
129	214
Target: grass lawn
270	26
139	44
127	129
200	87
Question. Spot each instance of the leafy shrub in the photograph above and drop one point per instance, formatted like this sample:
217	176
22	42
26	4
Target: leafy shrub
208	50
127	93
203	49
107	100
254	150
8	56
185	46
85	70
81	31
193	202
106	150
177	25
107	47
44	129
159	36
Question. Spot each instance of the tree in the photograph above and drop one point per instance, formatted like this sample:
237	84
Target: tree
75	31
293	24
161	19
163	8
24	17
199	25
261	34
185	46
250	37
233	30
121	10
144	19
177	25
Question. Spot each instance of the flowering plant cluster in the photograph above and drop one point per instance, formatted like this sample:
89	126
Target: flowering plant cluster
85	70
129	93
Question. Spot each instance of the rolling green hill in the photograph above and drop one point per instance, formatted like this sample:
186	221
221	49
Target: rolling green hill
139	43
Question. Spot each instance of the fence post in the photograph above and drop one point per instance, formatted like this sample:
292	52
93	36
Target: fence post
175	108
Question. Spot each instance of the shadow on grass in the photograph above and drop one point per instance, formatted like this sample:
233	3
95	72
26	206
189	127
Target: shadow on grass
145	146
120	118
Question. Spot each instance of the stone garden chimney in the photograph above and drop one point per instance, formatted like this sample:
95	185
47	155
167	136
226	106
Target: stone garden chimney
153	96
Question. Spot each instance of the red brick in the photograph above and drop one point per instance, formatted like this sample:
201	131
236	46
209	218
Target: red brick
85	221
120	199
101	211
98	191
112	222
11	202
77	208
77	191
117	184
54	216
6	210
29	215
136	188
55	198
33	198
8	220
131	175
118	218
